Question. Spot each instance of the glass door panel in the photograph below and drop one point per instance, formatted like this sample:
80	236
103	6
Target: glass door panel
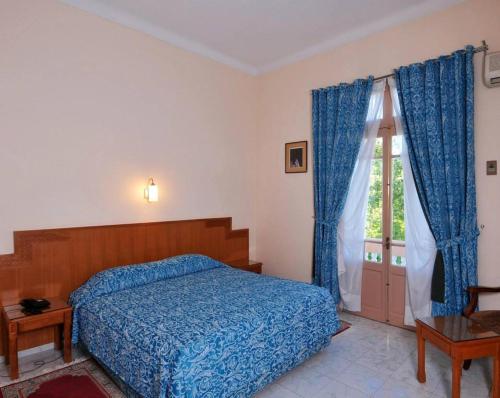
397	204
374	211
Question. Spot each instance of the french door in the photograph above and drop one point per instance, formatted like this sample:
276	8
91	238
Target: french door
384	273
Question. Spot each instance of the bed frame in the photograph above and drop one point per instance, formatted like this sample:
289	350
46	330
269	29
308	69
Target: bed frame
54	262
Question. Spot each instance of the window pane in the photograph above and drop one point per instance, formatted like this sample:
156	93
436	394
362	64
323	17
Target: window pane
398	213
398	255
379	149
373	251
373	225
397	142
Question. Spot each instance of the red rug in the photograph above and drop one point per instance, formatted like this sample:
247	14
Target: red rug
343	327
81	380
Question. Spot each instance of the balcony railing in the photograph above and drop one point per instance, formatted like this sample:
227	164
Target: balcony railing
374	252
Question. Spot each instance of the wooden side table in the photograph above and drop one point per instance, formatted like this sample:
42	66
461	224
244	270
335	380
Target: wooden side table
250	265
57	316
461	339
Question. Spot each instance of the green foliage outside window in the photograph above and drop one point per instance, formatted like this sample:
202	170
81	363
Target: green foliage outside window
373	225
398	213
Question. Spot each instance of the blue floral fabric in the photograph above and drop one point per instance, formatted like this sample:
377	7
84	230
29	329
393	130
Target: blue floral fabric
338	118
437	107
121	278
190	326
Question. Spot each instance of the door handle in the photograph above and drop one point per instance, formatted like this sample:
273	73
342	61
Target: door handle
387	243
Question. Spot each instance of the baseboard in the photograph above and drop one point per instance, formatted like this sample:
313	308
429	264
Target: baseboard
31	351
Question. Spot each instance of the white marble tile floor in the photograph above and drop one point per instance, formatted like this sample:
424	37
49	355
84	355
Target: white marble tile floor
38	364
372	359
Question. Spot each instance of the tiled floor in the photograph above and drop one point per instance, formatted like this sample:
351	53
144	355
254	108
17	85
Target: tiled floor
36	364
370	359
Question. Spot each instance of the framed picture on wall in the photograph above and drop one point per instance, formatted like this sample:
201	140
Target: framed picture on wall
296	157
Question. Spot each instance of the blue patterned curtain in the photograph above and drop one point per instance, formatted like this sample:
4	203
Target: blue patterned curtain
437	107
338	118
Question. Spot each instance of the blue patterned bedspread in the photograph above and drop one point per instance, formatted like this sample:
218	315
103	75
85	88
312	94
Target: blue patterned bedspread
189	326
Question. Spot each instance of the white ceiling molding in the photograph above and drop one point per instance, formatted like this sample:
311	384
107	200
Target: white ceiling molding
123	18
126	18
379	25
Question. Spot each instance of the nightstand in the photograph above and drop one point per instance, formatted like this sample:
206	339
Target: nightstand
57	316
250	265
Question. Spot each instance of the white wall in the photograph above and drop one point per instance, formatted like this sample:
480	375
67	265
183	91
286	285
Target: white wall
90	109
285	201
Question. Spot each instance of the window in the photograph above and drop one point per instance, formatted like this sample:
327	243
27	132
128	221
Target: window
385	224
374	211
397	204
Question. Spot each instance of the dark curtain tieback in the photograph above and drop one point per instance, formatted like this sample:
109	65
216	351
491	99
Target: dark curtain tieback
457	240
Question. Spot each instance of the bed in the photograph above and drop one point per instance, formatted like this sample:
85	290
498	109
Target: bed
190	326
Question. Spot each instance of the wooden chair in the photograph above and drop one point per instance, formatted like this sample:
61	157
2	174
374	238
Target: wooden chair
487	320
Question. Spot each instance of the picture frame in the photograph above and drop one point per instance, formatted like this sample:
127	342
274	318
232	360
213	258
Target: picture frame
296	157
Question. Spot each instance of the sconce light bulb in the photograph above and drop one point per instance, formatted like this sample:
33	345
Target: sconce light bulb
151	191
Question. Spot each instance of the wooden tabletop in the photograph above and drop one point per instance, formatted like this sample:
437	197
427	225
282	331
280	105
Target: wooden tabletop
458	328
14	311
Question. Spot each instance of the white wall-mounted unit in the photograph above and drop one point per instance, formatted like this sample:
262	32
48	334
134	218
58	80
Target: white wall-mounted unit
491	69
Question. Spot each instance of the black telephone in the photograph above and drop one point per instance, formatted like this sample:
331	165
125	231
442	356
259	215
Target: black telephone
34	306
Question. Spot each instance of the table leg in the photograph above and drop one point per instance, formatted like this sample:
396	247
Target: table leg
456	377
495	391
14	368
67	336
421	355
57	337
5	340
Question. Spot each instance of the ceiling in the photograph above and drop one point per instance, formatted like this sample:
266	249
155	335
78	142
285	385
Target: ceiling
260	35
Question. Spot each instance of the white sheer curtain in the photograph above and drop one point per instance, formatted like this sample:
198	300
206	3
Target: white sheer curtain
420	243
351	230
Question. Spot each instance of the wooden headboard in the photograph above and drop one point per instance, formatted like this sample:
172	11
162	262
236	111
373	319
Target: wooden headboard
54	262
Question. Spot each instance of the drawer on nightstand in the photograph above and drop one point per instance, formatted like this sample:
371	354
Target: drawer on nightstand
40	321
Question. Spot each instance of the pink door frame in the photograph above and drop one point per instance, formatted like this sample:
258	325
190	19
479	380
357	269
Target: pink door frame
383	284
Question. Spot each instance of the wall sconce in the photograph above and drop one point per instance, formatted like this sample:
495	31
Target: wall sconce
151	191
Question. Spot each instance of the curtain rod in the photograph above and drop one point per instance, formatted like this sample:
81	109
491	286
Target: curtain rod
482	48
